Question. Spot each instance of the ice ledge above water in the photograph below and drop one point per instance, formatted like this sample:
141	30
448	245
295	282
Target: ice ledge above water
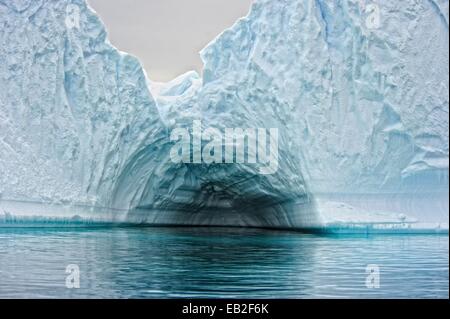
344	219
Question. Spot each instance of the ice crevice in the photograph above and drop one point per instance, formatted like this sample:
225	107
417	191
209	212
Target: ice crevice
440	11
363	139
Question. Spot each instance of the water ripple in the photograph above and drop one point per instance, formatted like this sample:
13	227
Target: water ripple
219	263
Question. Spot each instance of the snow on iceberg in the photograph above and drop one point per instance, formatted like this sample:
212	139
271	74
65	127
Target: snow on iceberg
362	113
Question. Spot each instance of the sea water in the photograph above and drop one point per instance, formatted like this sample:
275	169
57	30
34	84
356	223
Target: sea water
153	262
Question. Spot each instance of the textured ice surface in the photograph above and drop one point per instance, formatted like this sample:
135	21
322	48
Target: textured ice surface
362	115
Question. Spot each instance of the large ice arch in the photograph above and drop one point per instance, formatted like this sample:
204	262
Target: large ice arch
84	128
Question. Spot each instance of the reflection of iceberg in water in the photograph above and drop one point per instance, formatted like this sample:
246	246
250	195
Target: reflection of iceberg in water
214	262
363	138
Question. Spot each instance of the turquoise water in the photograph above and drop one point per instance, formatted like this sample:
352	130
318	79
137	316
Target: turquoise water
218	262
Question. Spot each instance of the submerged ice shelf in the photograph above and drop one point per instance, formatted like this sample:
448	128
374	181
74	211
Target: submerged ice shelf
362	115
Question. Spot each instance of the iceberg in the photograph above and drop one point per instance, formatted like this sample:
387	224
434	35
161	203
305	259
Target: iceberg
360	103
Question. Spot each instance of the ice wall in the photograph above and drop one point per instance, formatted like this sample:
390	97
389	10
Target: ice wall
362	105
362	113
75	112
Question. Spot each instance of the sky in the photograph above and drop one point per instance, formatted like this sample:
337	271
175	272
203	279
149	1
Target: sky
166	35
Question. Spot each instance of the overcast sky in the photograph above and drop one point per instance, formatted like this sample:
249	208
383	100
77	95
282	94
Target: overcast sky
166	35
